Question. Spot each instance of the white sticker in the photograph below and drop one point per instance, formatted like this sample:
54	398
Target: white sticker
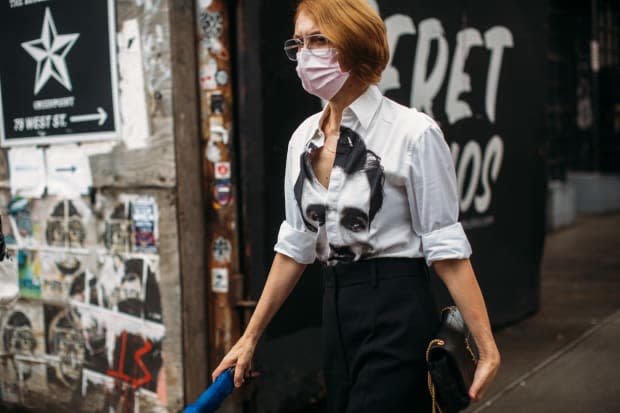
68	171
27	172
218	134
221	77
212	152
207	75
219	280
222	250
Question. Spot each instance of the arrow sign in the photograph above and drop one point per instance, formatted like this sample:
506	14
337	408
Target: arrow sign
101	116
70	169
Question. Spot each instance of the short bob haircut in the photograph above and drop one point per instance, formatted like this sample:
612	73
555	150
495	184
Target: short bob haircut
356	30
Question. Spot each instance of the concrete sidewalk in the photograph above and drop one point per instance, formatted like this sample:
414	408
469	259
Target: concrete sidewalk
566	358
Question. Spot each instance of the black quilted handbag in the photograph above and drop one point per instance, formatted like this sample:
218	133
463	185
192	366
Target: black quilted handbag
451	358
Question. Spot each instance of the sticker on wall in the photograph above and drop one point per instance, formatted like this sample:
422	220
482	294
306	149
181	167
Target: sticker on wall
222	250
145	218
207	75
212	152
219	280
221	77
219	134
132	225
211	24
223	192
216	101
222	170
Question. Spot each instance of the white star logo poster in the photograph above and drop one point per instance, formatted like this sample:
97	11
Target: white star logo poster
58	76
49	51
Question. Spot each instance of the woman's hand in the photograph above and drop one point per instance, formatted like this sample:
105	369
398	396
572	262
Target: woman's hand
284	274
240	357
485	373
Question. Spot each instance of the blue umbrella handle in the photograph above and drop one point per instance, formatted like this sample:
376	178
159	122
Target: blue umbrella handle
212	398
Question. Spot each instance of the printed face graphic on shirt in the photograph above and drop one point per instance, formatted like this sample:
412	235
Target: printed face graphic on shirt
313	212
344	224
352	214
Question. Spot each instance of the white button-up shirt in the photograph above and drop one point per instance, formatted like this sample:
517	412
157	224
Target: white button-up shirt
392	189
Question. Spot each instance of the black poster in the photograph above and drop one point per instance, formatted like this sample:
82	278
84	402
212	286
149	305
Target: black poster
58	78
478	69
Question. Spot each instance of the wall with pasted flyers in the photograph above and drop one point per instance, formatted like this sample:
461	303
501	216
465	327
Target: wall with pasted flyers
89	323
88	208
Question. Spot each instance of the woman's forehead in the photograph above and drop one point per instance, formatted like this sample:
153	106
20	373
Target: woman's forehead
304	25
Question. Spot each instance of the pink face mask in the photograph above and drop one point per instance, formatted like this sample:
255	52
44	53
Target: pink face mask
320	75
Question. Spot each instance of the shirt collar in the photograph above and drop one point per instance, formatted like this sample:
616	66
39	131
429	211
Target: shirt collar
363	109
365	106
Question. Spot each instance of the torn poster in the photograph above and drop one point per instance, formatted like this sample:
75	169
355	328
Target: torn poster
132	100
63	223
27	168
29	270
22	377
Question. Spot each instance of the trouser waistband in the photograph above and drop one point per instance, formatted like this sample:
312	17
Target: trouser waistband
373	270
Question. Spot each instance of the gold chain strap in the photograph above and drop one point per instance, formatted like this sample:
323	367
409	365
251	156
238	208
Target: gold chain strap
471	351
431	386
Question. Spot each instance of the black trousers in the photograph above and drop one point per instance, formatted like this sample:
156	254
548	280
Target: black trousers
378	317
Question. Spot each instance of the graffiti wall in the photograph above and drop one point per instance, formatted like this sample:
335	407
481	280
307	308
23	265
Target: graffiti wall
89	322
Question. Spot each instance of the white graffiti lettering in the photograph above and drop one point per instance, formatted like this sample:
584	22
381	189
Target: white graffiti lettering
427	81
481	170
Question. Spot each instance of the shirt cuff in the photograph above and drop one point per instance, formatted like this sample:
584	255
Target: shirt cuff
446	243
299	245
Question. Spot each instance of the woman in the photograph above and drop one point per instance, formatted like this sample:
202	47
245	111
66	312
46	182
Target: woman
370	191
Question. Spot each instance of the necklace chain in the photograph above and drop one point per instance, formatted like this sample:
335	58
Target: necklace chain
329	150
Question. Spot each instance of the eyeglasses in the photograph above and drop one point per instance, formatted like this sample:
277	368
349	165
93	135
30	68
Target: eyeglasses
317	44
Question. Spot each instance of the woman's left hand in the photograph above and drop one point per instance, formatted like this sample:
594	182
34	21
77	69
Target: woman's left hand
485	373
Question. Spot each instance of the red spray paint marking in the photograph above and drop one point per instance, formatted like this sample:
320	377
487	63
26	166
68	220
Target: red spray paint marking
120	373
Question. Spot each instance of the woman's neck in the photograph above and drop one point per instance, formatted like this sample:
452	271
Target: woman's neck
350	91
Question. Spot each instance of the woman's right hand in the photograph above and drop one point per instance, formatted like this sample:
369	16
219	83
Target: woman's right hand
240	357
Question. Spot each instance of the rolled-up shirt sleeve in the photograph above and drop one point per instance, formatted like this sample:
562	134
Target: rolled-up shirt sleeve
433	198
295	240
